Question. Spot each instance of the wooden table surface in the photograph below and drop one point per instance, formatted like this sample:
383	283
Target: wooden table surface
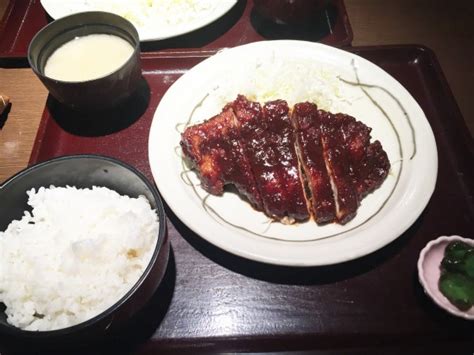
444	28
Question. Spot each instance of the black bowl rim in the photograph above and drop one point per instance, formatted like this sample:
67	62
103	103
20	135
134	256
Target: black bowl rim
82	14
12	330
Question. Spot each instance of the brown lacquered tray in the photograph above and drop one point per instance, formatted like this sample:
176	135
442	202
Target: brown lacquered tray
222	302
24	18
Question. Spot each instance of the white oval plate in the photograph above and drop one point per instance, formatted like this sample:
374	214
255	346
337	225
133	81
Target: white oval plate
296	71
150	25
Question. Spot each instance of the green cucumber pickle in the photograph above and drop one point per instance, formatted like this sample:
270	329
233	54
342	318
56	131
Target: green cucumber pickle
457	275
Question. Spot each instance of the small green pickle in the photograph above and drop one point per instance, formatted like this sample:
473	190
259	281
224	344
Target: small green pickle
457	249
457	275
452	264
458	289
469	263
454	255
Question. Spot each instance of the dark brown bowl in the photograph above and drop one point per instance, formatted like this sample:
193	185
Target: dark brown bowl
290	12
91	95
84	171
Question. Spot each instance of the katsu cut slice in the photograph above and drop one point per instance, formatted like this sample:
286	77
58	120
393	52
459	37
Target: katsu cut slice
357	140
269	144
213	148
373	169
205	148
338	164
369	162
307	125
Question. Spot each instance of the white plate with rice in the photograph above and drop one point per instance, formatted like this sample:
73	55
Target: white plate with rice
154	19
296	71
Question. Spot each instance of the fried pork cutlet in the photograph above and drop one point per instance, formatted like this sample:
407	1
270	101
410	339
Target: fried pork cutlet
307	124
338	165
369	162
269	143
289	164
373	169
213	148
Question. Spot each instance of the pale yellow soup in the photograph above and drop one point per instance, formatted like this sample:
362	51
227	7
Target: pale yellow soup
88	57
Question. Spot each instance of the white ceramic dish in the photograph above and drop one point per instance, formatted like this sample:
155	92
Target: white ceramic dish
230	223
149	24
429	273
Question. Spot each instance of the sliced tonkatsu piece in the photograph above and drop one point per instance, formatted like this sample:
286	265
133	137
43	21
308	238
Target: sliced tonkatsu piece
246	111
338	165
269	143
204	146
357	140
369	162
213	148
373	169
306	121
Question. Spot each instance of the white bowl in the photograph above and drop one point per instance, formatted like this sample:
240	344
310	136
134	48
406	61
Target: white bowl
429	273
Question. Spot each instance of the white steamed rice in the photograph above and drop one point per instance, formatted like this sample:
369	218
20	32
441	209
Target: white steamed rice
75	255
